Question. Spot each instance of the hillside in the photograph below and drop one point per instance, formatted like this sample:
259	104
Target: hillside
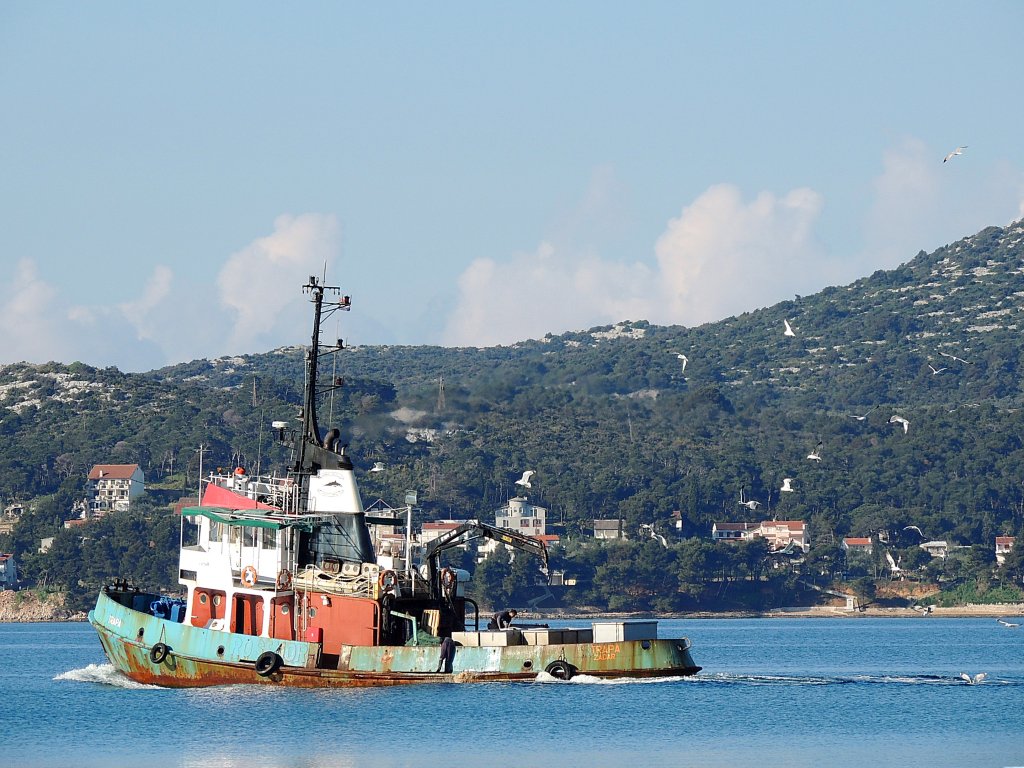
609	419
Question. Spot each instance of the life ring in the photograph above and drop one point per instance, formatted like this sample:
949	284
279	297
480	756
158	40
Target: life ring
448	580
268	663
387	580
284	579
159	652
249	576
560	670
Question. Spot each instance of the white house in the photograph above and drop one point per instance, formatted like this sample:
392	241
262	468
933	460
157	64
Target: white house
8	572
113	486
733	531
1004	544
609	530
523	517
778	533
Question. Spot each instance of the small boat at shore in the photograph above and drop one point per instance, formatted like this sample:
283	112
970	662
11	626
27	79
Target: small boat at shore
283	587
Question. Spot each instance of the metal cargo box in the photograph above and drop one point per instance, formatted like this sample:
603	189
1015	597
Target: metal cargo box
468	639
502	637
543	636
577	636
619	631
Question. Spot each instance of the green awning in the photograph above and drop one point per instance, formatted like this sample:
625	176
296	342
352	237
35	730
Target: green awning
249	518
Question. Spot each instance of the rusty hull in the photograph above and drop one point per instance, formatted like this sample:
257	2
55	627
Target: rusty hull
200	657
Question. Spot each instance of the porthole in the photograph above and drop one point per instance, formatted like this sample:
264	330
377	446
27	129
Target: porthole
285	610
142	631
216	599
527	664
645	644
220	650
203	598
312	613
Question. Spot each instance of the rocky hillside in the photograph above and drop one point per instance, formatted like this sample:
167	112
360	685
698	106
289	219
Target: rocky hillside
27	605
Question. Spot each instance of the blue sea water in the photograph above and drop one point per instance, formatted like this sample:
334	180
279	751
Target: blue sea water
774	692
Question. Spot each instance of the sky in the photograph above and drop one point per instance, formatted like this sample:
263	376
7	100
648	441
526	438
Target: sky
476	174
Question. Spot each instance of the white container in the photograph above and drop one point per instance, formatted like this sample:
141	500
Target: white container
543	636
621	631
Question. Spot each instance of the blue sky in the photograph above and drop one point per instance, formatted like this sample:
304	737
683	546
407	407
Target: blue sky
476	174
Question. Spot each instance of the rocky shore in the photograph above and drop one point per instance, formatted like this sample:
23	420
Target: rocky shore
28	605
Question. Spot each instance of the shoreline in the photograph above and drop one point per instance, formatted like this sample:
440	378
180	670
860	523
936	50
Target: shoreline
992	611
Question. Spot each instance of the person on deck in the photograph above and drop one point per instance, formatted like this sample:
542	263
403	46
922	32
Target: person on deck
446	655
502	619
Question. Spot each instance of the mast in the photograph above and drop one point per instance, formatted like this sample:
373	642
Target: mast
315	451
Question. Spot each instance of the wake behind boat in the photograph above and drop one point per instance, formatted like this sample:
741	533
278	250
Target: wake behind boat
283	587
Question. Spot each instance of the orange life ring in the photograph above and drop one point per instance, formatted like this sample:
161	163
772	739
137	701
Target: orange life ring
387	580
249	576
284	579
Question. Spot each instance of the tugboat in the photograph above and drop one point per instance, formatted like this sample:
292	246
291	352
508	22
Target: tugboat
283	587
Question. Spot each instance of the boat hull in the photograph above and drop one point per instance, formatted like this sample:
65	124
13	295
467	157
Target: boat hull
197	657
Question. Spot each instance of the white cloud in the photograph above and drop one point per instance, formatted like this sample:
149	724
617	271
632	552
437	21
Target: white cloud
721	256
140	311
922	203
30	322
174	319
258	283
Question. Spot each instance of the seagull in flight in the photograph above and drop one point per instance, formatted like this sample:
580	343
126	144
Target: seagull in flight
789	329
525	479
685	360
954	357
914	528
935	371
973	680
954	153
815	455
750	504
1006	623
900	420
787	485
378	466
861	418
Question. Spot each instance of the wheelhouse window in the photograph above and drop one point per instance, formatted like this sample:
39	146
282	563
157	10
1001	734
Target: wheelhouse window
269	538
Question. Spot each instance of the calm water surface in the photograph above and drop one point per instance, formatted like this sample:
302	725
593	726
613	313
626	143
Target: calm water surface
774	692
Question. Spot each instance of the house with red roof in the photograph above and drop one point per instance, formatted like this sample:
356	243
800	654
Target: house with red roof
113	486
1004	545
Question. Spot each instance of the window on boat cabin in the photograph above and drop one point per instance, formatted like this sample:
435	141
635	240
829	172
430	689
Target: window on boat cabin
190	532
269	538
216	532
252	537
236	534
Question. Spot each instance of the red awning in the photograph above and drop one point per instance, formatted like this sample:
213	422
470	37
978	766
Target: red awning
216	496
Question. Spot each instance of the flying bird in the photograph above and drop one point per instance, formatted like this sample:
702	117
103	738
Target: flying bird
954	153
861	418
682	357
750	504
914	528
973	680
378	466
787	486
924	610
1006	623
525	479
789	329
815	455
935	370
954	357
900	420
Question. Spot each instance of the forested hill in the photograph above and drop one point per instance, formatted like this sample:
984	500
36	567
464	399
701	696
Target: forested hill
609	419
